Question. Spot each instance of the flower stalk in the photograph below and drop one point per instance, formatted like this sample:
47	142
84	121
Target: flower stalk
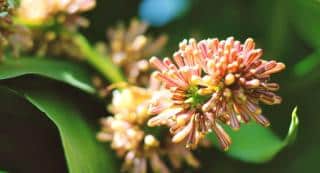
99	62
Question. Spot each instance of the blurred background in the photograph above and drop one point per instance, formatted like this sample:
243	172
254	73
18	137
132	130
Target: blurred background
287	31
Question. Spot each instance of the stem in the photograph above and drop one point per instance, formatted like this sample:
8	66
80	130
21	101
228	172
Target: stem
98	61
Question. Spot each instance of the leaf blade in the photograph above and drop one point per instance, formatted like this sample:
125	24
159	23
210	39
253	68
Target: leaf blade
70	73
83	153
256	144
98	164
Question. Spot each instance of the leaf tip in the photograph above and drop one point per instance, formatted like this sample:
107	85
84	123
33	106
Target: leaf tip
293	129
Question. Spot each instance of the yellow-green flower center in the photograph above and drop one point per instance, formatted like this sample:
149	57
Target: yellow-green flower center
194	98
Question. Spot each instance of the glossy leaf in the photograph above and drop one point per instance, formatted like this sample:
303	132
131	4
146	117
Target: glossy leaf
28	138
70	73
254	143
83	153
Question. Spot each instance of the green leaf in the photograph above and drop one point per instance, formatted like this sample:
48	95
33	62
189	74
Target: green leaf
256	144
70	73
82	151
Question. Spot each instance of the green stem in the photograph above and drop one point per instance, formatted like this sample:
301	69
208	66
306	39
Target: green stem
98	61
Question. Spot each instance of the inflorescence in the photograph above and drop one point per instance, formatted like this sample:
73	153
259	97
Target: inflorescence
129	137
42	11
208	84
130	46
213	82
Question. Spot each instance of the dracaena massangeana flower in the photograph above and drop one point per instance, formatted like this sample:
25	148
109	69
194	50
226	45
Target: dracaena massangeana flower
130	46
210	83
40	11
126	131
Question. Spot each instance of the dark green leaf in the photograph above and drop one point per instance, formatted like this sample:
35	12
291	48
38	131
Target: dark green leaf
83	153
70	73
254	143
26	137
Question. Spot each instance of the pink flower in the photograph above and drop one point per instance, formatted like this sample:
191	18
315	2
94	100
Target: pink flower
213	82
130	46
126	131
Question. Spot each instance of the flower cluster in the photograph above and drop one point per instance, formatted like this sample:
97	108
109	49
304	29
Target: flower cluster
55	44
208	84
211	83
58	21
5	22
11	34
42	11
129	48
5	7
126	130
